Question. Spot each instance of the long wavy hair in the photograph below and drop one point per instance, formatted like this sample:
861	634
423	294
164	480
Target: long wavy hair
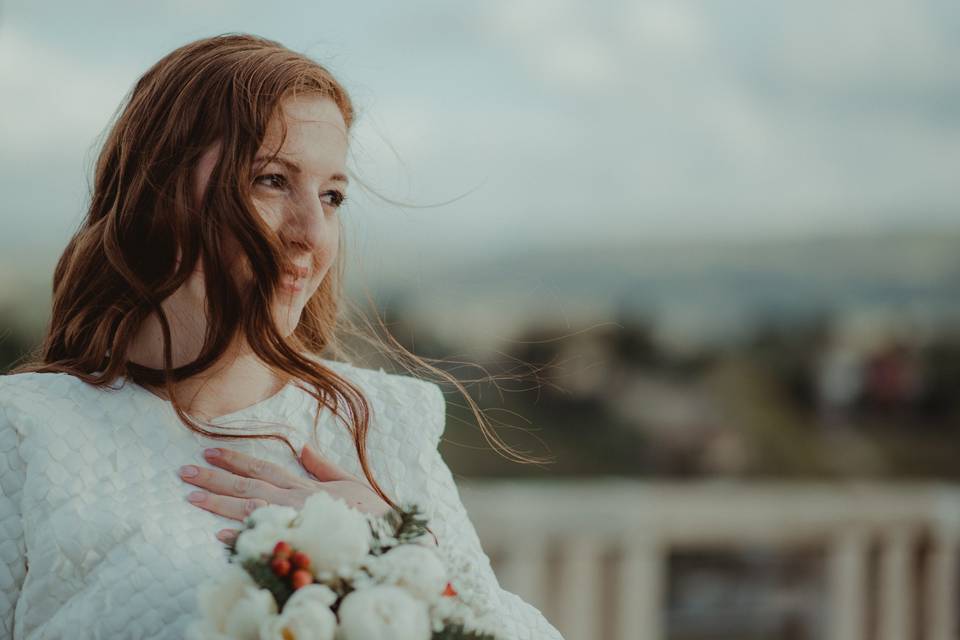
122	262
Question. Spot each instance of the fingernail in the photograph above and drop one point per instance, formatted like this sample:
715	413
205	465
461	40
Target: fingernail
224	536
188	471
196	496
211	453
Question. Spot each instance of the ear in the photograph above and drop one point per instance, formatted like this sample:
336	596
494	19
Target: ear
322	469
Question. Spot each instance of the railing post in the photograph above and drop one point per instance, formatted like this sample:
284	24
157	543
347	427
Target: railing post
847	585
941	585
522	569
641	589
896	614
580	588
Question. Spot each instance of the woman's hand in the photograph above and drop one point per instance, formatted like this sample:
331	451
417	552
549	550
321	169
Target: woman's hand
242	483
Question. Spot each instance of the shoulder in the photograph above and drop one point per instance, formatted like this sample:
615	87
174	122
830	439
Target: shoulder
26	394
56	384
396	397
15	386
406	386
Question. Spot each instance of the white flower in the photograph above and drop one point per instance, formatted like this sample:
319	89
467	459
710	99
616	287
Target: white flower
333	534
232	605
305	616
452	610
312	596
215	597
275	515
252	543
413	567
270	524
383	612
243	622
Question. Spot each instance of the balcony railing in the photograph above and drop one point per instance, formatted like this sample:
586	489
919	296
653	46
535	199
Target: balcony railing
887	548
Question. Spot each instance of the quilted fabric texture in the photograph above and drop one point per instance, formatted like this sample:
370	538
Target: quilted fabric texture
97	539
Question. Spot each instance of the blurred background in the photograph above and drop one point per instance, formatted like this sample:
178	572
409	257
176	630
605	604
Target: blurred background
716	246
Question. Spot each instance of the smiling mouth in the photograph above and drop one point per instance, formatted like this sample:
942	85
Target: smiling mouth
291	284
293	279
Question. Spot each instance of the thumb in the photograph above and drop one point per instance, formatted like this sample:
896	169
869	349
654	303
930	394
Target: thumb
322	469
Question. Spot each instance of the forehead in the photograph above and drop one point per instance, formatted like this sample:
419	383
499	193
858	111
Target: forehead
315	132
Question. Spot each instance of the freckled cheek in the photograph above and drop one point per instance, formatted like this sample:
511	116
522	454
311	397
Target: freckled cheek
326	257
329	244
270	214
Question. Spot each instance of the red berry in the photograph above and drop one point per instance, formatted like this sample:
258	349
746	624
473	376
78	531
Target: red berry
449	590
282	550
300	560
280	566
301	578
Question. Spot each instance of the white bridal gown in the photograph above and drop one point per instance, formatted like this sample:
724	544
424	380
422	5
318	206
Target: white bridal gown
97	539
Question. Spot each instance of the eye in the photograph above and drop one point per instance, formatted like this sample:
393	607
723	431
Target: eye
273	180
336	198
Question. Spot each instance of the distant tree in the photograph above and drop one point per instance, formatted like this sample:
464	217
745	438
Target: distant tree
13	346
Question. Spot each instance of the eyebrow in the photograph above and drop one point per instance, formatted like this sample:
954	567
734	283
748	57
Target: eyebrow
294	167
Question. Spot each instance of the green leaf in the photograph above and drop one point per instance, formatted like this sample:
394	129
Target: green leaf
459	632
265	578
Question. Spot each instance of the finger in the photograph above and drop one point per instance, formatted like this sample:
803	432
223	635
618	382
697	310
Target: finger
227	536
226	506
321	468
252	467
229	484
357	495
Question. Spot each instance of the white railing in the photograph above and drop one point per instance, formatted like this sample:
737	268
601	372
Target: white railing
915	527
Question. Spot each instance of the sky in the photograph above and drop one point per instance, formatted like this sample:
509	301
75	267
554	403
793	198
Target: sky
507	124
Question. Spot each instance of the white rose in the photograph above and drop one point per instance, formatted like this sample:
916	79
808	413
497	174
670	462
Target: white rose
330	532
383	612
215	597
270	524
455	611
413	567
312	595
305	616
252	543
300	624
275	515
243	621
232	606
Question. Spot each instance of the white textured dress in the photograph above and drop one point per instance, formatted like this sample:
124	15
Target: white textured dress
97	539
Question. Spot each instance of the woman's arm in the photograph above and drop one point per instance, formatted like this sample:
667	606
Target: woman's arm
13	565
460	546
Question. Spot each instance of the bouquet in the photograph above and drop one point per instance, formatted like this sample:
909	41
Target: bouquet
330	572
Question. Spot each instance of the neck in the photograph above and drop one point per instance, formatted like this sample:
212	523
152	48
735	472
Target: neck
239	379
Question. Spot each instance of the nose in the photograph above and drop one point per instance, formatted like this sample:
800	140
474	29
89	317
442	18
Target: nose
306	223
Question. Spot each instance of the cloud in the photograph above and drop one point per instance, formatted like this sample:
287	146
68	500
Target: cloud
52	101
559	42
563	119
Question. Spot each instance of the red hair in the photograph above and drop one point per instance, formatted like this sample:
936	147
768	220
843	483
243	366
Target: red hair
122	261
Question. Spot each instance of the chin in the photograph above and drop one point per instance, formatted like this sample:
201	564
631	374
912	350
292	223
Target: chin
287	318
288	309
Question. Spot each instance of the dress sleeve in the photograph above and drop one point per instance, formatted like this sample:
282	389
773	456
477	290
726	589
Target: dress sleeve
13	566
472	575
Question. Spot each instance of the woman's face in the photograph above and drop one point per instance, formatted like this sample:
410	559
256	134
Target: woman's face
297	195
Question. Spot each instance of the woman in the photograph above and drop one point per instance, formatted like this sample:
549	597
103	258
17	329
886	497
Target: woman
198	302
